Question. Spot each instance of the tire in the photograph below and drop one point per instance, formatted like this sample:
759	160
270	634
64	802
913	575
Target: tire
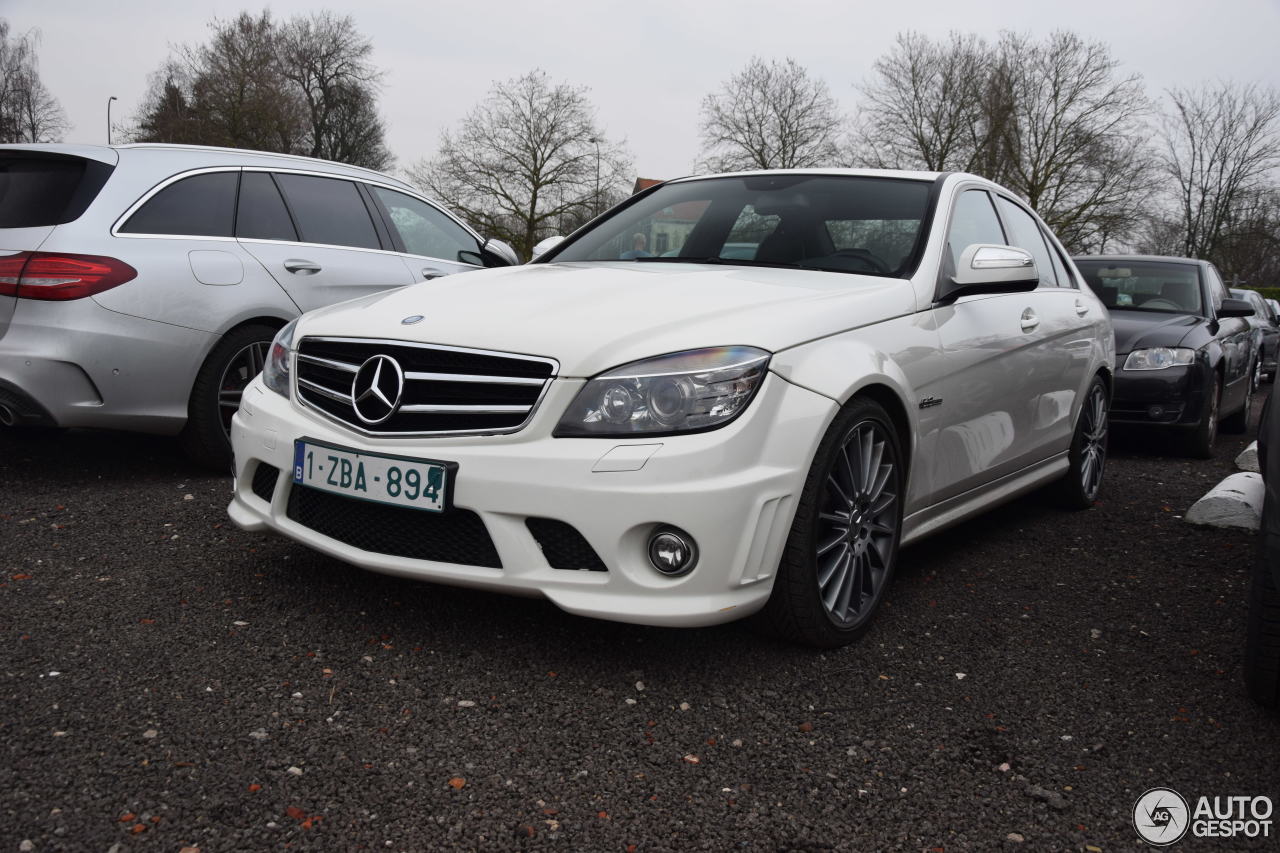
1262	636
234	362
845	535
1200	442
1238	422
1079	487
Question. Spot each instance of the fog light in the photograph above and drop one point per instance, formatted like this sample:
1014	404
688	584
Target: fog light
672	551
1155	412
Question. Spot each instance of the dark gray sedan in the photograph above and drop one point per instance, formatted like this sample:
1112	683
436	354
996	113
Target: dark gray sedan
1185	352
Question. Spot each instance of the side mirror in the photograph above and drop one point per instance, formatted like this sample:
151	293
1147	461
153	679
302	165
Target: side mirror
545	246
1236	308
498	254
989	268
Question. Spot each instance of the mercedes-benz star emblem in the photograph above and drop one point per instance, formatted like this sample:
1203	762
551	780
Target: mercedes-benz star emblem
376	390
411	319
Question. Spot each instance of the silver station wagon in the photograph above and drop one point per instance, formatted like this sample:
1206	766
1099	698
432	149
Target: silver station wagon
140	285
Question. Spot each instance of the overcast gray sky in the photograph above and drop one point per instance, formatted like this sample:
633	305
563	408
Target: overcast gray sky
647	64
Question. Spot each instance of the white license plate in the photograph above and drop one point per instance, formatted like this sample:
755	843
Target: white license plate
394	480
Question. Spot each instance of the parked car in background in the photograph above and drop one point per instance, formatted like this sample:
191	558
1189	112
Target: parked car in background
1266	325
835	363
140	285
1185	351
1262	639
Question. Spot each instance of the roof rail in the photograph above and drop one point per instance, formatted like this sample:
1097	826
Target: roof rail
224	150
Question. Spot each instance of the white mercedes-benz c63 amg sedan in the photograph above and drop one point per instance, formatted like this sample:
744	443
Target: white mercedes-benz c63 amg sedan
729	395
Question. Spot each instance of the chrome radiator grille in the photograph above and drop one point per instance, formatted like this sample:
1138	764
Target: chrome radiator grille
399	388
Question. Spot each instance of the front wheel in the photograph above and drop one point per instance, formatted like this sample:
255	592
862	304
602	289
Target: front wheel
1238	422
215	397
1079	487
843	545
1200	442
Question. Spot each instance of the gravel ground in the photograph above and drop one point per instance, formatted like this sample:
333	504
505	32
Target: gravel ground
167	680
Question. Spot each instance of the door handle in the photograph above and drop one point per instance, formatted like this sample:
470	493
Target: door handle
1029	320
1081	308
428	273
299	266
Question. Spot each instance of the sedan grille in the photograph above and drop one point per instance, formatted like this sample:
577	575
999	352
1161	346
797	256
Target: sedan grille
422	389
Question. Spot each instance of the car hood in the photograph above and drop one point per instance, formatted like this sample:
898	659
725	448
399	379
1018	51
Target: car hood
1138	329
591	317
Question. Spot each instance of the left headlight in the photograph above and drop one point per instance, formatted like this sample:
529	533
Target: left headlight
275	373
1159	358
680	392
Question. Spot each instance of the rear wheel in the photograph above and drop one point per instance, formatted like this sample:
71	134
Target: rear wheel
1200	442
215	397
1079	487
843	545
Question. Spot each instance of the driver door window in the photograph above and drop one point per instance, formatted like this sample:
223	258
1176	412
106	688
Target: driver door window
426	231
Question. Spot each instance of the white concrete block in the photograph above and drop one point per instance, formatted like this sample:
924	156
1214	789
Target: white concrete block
1235	502
1248	458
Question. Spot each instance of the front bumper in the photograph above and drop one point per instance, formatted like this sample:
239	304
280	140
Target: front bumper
733	490
1173	398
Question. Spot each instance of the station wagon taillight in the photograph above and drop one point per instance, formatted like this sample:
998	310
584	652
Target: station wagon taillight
59	276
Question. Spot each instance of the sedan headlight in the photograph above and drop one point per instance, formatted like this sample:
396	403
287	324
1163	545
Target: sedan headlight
681	392
1158	358
275	373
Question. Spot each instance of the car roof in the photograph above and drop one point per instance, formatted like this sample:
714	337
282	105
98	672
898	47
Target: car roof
184	157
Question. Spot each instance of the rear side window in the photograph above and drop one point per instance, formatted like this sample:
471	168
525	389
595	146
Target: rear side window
47	190
1025	234
328	211
262	214
425	230
199	206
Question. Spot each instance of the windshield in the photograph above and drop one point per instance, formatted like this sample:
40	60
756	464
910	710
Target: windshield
1145	285
846	224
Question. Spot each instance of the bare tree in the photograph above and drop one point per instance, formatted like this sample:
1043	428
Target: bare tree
527	159
1075	145
923	105
1222	145
28	112
1055	121
305	86
329	62
770	115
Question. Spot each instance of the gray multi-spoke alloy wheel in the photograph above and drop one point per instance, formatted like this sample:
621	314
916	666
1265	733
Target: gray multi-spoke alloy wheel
215	397
844	539
1087	457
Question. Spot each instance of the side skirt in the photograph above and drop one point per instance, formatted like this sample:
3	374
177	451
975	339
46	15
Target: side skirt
962	507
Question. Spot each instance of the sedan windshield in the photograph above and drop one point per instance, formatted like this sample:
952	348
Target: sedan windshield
870	226
1145	285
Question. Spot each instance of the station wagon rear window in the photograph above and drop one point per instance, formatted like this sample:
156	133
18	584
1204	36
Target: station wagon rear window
47	189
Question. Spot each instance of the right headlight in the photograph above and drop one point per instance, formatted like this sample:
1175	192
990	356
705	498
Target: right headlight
1159	358
680	392
275	373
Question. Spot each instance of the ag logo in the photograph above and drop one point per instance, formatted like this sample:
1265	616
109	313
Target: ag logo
1161	816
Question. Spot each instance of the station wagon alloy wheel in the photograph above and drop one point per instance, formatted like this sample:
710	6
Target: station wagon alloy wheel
858	527
239	372
1094	449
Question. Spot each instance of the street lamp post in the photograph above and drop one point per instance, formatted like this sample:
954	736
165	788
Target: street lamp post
595	200
109	100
